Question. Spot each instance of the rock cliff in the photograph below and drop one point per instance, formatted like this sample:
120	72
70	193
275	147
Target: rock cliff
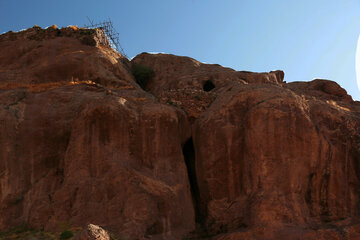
198	151
82	143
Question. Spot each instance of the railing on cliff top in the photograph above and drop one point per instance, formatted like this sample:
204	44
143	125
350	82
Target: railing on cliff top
110	32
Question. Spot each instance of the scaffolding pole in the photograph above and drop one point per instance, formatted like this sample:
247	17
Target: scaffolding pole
110	32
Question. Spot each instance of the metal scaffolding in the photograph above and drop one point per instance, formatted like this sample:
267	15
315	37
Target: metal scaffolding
110	32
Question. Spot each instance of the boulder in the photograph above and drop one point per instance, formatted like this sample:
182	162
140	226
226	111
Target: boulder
93	232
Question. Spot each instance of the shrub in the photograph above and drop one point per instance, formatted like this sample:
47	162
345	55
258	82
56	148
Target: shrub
66	235
142	74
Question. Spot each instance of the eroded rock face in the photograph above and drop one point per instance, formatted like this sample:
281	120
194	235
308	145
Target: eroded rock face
206	152
96	149
320	88
37	57
269	155
175	72
280	158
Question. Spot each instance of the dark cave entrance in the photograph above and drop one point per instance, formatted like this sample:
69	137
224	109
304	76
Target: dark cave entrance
189	156
208	86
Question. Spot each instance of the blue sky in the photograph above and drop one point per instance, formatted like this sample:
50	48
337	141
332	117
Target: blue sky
307	39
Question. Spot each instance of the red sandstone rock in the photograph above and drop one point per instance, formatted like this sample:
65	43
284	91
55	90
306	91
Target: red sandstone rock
320	88
82	142
266	155
175	72
279	159
191	85
332	232
34	57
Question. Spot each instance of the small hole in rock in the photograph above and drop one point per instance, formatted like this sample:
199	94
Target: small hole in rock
208	86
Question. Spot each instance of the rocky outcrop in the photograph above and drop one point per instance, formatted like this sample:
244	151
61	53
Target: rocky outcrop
320	88
81	142
40	58
281	158
191	85
267	154
174	72
204	152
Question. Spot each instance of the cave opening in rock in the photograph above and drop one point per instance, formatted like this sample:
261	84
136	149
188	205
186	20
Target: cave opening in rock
208	86
189	156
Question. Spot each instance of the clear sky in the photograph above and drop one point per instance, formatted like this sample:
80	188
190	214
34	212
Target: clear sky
306	38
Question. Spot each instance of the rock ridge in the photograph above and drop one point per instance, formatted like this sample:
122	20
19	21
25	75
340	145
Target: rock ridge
92	37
